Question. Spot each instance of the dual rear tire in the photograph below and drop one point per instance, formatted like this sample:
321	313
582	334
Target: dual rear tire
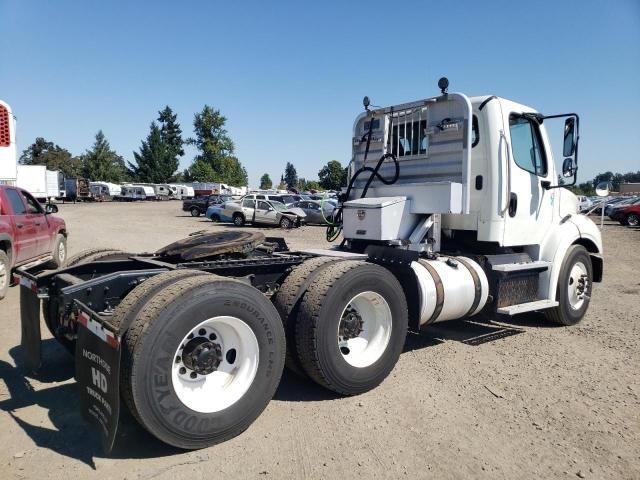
347	328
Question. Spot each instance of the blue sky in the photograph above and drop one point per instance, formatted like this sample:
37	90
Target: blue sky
290	76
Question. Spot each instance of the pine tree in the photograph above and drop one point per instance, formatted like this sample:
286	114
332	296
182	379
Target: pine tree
216	147
100	163
265	182
171	133
290	175
156	162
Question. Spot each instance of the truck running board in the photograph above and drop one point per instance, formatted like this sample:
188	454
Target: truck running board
527	307
517	267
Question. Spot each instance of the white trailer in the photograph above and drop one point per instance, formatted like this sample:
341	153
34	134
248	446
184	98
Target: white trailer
182	192
130	193
43	184
453	209
104	191
8	156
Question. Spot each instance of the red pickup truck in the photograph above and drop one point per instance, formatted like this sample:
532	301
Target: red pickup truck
28	234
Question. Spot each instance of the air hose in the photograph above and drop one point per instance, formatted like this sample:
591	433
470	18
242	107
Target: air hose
335	228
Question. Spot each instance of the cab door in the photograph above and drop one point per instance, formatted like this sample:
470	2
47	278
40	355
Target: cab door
25	237
529	206
35	213
249	208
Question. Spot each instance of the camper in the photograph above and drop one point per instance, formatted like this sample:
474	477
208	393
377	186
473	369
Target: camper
163	191
104	191
77	189
131	193
8	156
182	192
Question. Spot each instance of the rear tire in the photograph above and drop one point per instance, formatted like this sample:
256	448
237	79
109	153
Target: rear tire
573	305
287	301
130	306
215	218
195	212
633	220
238	219
5	274
229	398
351	327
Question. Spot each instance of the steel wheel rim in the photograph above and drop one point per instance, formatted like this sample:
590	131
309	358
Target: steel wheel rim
633	220
3	276
371	342
62	252
286	223
231	379
578	285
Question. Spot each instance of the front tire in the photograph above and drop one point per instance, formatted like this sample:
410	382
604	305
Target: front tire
633	220
215	218
195	212
574	287
286	223
202	359
351	327
59	253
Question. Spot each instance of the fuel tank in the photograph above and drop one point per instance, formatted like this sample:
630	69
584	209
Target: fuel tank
450	288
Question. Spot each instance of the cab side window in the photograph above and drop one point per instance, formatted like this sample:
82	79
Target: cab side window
263	205
15	199
249	203
33	206
526	145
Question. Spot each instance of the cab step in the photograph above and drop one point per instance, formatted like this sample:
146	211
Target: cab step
527	307
538	265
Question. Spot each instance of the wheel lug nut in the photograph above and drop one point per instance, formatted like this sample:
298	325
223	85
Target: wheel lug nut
182	370
193	375
202	331
212	336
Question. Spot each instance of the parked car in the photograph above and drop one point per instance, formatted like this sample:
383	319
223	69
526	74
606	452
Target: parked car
584	203
317	212
628	214
610	208
199	204
216	213
28	234
268	212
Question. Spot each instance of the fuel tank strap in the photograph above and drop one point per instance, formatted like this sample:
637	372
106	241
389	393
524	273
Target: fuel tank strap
439	290
476	284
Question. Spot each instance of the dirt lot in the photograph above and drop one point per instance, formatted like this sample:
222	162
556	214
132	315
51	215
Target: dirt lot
540	402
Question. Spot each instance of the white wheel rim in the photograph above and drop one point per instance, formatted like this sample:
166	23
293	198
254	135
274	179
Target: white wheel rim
229	382
62	252
3	276
371	342
578	285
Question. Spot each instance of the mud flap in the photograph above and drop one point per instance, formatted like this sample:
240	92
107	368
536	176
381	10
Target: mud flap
30	324
98	376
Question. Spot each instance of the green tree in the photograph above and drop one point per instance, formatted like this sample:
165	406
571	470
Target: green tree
101	163
332	176
156	162
265	182
290	175
171	133
42	152
216	147
313	185
200	171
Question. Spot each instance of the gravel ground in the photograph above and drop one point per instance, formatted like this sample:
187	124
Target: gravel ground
537	401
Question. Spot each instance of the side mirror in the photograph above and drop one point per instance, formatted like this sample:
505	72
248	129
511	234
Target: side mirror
602	189
569	146
50	208
567	167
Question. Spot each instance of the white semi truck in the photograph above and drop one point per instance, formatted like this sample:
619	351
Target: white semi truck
454	208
